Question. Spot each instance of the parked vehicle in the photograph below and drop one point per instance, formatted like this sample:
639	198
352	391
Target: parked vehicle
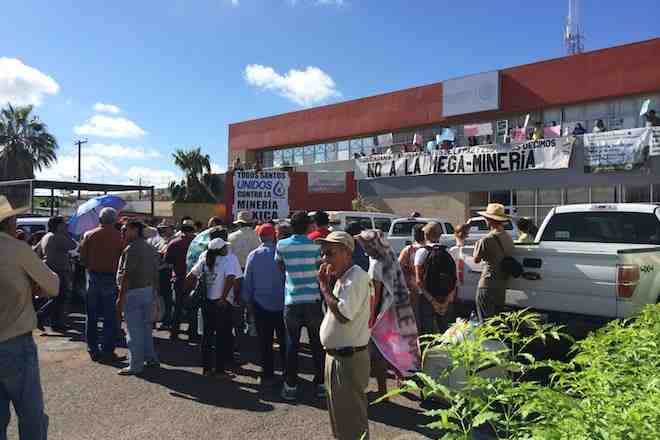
401	232
32	224
479	228
601	260
369	220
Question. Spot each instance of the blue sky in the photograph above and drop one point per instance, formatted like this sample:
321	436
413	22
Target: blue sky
174	73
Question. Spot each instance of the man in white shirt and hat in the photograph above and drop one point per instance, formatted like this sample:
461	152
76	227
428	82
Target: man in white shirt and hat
22	275
345	336
242	241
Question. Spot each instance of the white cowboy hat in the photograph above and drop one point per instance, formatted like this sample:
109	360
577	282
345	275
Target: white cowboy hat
495	211
244	217
6	210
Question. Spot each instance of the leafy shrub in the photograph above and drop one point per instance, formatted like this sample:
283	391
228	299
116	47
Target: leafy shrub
608	389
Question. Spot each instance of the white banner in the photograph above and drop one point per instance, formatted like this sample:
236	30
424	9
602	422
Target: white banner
533	155
620	150
654	148
264	194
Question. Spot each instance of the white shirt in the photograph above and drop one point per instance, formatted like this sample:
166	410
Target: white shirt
422	253
456	253
243	241
353	290
375	269
215	281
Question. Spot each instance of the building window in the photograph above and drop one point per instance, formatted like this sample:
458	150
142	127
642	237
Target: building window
524	197
343	150
603	194
277	158
478	198
267	159
331	152
638	194
308	154
550	196
298	156
287	157
319	153
578	194
502	197
356	147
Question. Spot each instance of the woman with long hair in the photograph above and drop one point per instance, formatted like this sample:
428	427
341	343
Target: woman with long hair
220	270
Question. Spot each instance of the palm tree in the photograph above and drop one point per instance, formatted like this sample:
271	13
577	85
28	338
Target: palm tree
25	144
197	167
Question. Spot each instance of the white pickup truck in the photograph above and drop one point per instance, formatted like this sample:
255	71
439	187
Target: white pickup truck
401	232
598	260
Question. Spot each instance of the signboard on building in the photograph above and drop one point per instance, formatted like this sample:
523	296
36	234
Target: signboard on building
620	150
326	182
471	94
533	155
264	194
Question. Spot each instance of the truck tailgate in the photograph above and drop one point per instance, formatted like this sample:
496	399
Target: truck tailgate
643	264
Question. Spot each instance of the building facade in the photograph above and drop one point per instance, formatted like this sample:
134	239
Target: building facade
610	85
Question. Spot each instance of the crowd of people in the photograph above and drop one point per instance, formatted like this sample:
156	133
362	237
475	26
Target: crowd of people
275	277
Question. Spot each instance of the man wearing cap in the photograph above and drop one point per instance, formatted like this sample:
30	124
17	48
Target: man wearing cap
491	249
322	222
263	290
100	251
175	254
345	336
22	275
300	258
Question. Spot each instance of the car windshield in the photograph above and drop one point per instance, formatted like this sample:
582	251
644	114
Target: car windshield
604	227
404	229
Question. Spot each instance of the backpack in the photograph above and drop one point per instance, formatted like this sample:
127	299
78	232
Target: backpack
509	265
439	272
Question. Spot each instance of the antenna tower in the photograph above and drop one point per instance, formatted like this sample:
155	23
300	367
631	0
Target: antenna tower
573	36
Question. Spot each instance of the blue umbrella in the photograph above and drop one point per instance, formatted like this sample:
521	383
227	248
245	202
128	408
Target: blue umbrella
87	215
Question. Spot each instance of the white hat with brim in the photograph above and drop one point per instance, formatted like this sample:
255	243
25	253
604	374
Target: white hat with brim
7	211
495	211
244	217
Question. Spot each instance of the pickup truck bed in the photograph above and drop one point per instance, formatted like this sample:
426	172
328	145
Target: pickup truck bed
603	279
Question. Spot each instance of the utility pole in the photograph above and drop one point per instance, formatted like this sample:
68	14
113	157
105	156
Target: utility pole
80	143
573	37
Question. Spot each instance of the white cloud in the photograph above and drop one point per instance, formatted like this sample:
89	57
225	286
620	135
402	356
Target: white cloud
112	127
24	85
114	151
94	169
150	176
304	87
235	2
106	108
217	169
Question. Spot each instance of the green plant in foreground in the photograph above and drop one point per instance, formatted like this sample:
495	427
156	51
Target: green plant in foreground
609	389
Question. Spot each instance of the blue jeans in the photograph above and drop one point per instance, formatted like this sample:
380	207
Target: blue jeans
138	320
102	292
20	384
310	317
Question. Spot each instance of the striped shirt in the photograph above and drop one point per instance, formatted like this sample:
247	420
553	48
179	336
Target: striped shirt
301	259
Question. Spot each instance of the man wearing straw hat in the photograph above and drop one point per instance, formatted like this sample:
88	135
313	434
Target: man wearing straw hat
22	275
491	249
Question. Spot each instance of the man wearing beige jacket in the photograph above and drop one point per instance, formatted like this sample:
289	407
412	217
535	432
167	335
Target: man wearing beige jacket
22	275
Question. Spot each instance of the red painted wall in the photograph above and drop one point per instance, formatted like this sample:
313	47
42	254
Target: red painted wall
619	71
300	199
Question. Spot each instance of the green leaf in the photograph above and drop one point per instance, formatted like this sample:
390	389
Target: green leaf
484	417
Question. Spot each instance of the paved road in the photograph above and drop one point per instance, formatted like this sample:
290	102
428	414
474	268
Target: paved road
87	400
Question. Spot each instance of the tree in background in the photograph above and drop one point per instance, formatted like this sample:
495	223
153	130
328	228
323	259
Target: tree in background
198	185
25	144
